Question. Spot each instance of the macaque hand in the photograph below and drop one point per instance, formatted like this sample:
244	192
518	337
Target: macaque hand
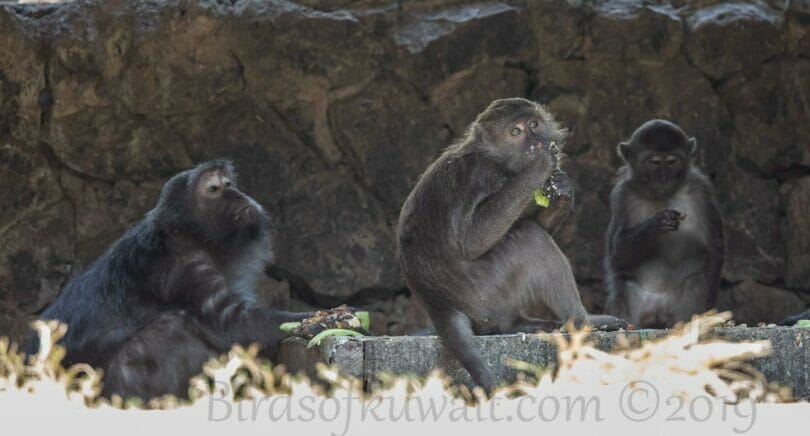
667	220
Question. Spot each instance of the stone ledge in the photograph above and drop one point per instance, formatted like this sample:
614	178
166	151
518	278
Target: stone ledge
365	358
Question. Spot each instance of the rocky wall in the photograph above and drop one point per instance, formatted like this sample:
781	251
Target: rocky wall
331	109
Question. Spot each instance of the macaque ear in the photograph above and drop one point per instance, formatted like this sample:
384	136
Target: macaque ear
692	146
485	136
623	150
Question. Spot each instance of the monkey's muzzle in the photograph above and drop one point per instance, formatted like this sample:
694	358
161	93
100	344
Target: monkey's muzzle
246	213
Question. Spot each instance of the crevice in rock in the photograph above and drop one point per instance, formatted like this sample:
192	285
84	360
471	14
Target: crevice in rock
684	54
57	164
46	104
240	70
23	215
306	140
577	52
34	11
351	167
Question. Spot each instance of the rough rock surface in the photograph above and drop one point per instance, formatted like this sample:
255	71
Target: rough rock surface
331	113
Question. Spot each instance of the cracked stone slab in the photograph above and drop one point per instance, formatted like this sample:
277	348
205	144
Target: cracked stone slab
368	357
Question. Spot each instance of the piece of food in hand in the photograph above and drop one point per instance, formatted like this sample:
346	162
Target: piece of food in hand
551	189
550	192
341	318
541	199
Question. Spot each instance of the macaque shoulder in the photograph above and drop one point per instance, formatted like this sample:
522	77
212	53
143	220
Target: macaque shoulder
463	177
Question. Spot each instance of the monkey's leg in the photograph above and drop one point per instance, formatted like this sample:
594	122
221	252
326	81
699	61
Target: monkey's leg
690	300
540	273
625	301
548	277
617	304
457	334
160	359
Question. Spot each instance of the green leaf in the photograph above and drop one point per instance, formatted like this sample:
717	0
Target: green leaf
332	332
365	322
541	199
803	323
288	327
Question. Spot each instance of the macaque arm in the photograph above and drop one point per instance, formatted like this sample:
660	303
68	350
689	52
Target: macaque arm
627	246
194	281
492	217
559	210
552	217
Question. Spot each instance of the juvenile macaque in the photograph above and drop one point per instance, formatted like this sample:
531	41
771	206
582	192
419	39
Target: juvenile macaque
664	244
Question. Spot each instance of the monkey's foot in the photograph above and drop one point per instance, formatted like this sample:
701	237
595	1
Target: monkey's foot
606	322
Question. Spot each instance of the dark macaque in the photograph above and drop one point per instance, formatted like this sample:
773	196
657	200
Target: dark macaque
664	245
470	245
175	290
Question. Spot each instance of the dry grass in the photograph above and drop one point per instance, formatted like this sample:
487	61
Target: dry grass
682	364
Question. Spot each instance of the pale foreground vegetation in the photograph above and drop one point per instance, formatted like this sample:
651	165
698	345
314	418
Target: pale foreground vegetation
682	364
676	385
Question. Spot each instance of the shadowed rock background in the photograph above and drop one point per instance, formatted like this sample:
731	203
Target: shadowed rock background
331	109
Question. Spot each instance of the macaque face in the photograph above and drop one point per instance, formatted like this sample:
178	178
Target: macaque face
525	137
662	171
221	209
660	155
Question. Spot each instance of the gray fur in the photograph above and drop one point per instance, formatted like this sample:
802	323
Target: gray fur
664	245
470	245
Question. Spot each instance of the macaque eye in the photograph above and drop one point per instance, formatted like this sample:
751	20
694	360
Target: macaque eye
655	160
515	131
213	189
227	184
533	124
671	160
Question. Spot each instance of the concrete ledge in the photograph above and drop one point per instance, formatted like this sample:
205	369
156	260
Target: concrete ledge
365	358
